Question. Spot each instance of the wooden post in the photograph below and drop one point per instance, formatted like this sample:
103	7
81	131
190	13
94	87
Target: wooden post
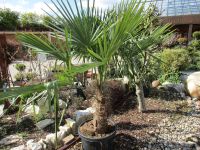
190	32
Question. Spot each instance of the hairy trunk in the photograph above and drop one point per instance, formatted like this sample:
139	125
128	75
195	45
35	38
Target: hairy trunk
100	116
140	96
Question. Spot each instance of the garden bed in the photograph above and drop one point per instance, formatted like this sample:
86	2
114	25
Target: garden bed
134	130
141	131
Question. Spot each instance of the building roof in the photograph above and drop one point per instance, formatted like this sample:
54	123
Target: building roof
176	7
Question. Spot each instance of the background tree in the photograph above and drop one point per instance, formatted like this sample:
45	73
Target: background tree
30	20
8	20
138	51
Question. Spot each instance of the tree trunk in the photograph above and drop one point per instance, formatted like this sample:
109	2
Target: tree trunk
100	117
140	96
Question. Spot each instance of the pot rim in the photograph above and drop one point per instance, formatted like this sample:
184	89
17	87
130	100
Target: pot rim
109	136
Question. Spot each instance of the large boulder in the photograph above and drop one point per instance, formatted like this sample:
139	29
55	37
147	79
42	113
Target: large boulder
193	84
175	91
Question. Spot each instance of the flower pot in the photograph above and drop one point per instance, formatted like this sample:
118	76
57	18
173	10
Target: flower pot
97	143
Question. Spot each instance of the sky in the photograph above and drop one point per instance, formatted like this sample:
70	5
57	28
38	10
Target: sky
36	6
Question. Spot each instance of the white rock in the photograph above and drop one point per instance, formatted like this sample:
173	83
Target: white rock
21	147
43	104
31	145
44	144
61	135
51	138
193	84
65	128
90	109
125	80
8	118
72	124
82	113
44	123
62	104
30	109
1	110
11	139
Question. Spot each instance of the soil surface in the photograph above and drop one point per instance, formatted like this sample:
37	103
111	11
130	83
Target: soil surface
26	129
87	129
133	128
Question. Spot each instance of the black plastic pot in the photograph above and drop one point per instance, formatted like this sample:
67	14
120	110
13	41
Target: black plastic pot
94	143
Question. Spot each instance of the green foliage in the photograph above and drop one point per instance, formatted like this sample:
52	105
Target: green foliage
196	35
19	77
47	20
30	75
8	19
30	20
194	54
57	68
172	77
182	41
195	44
174	60
20	67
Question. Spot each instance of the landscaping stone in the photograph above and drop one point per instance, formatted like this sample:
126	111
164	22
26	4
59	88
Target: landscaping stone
84	115
44	123
21	147
193	82
62	104
29	109
68	139
178	88
155	83
11	139
44	144
31	145
72	124
1	109
51	138
65	128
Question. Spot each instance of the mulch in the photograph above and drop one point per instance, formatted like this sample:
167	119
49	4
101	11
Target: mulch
132	127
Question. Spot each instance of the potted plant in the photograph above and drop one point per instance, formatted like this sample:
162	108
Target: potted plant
94	36
98	37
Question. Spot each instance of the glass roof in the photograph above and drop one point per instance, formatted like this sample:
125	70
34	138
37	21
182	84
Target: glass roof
176	7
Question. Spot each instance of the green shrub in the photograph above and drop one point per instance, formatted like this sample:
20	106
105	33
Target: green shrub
196	35
20	67
174	60
195	44
57	68
8	20
30	75
172	77
182	41
19	77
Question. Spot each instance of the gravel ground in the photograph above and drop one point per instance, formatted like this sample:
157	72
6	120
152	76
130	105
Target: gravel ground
167	125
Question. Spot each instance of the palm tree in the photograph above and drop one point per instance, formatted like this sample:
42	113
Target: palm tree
94	34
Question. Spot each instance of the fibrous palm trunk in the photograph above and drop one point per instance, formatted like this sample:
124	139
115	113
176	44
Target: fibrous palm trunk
100	117
140	96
